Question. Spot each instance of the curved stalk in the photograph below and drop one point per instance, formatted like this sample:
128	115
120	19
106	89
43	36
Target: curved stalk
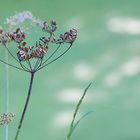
11	54
24	67
6	93
25	106
13	65
29	64
55	58
37	64
73	124
52	54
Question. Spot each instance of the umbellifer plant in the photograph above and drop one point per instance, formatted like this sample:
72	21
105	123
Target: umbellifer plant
32	58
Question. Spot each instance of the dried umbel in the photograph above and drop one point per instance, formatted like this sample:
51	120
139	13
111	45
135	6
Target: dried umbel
33	58
6	118
37	51
69	37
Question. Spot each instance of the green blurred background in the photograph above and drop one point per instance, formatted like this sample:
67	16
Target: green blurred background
106	52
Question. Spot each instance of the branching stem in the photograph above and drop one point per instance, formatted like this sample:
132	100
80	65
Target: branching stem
25	106
55	58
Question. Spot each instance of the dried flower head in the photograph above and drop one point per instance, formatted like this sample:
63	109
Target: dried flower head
37	51
69	37
31	58
4	37
6	118
23	55
49	28
18	36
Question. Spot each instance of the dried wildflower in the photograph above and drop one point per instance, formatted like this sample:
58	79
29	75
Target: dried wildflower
23	55
53	25
69	37
45	40
34	55
4	37
50	28
39	51
6	118
18	36
45	27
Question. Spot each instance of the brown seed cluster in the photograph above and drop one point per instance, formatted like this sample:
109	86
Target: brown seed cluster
41	47
4	37
6	118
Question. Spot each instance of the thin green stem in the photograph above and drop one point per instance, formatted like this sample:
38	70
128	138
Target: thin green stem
12	65
37	64
24	67
11	53
55	58
25	106
6	93
29	64
52	54
75	113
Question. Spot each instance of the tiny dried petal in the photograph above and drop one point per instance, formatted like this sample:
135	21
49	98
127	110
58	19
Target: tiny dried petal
39	52
17	36
45	26
69	37
4	38
45	40
53	25
22	54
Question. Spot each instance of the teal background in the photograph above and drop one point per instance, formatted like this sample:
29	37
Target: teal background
108	58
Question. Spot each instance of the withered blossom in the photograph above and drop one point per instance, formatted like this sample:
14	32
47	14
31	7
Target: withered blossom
49	28
53	25
39	52
6	118
69	37
18	36
23	55
4	37
45	40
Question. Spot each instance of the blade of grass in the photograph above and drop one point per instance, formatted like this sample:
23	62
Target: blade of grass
73	124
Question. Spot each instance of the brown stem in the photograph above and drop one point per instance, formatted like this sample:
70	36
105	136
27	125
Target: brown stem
25	106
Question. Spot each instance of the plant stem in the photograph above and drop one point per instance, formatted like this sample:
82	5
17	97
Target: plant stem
72	125
6	92
25	106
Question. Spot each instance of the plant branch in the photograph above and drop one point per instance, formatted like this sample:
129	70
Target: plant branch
29	64
52	54
25	106
55	58
24	67
11	53
13	65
